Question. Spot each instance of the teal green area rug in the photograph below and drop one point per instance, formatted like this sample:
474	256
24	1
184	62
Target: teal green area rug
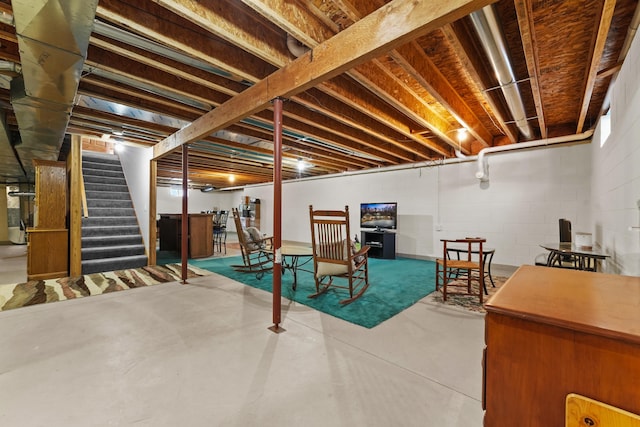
394	286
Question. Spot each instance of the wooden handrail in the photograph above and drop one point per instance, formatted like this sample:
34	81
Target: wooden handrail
83	194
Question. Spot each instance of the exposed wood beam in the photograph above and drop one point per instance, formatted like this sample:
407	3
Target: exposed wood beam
303	29
413	58
390	153
240	65
214	17
300	148
180	70
308	29
378	79
598	47
476	76
526	24
387	28
145	70
186	73
344	89
343	113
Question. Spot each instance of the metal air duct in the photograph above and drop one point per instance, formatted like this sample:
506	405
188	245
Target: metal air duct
486	25
53	37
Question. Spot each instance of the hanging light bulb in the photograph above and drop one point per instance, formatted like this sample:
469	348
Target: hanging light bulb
301	164
462	135
232	178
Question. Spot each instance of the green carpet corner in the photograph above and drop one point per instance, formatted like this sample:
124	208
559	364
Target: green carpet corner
394	286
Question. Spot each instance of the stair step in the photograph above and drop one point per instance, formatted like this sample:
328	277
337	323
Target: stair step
104	180
109	203
118	230
100	156
122	188
109	221
115	251
111	211
98	241
112	195
113	264
111	238
93	172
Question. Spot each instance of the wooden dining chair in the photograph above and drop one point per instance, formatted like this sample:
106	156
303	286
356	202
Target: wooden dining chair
334	255
460	273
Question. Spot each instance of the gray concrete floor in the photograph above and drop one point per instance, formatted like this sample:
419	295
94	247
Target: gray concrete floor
201	354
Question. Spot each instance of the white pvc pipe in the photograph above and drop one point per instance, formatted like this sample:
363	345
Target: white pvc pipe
483	170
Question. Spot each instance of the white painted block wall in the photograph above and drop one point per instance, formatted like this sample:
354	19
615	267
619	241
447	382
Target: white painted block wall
616	173
517	210
596	188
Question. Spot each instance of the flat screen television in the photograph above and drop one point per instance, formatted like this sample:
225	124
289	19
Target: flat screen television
381	216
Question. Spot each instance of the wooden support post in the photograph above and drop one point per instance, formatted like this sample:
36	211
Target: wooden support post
153	221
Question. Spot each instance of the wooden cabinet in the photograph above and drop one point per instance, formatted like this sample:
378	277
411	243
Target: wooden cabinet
200	234
48	240
43	261
550	332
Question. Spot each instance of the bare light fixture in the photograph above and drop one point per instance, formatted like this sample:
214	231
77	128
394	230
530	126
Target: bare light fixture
232	178
301	164
462	135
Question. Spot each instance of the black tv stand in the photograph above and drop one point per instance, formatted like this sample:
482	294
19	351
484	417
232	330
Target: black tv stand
382	243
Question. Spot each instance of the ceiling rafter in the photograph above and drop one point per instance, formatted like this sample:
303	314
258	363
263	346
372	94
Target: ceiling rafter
375	77
314	99
423	70
235	28
328	60
154	67
165	82
606	16
475	75
525	22
240	65
299	25
411	57
375	108
310	150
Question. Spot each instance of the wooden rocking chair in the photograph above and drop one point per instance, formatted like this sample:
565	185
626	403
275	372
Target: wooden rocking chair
256	249
334	256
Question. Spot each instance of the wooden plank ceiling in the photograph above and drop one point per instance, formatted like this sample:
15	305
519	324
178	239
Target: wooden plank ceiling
154	67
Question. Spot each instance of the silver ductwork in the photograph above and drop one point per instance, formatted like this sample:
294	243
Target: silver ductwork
53	38
488	28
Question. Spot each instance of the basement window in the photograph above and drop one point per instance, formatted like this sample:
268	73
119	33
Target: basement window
605	127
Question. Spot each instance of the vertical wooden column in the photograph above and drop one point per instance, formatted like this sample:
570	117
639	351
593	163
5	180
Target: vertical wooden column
277	214
153	197
185	211
75	207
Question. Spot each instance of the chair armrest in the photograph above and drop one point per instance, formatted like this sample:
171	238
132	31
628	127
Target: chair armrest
267	240
362	252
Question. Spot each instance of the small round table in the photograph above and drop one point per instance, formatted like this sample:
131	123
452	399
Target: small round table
291	259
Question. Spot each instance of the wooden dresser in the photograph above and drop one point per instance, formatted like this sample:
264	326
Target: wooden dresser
550	332
48	240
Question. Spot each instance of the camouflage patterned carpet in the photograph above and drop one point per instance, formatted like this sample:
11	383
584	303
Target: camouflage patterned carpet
469	302
51	290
